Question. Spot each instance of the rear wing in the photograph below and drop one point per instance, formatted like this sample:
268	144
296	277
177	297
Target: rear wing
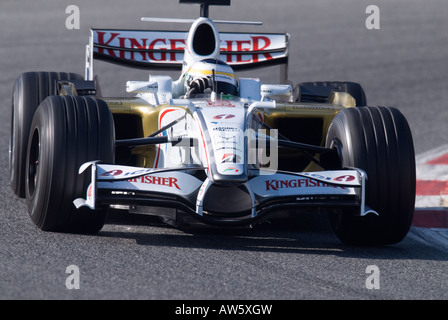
165	49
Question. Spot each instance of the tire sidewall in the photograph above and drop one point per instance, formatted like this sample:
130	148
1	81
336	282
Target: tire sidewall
39	200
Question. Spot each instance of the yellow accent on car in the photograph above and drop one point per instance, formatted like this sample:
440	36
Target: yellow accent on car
208	72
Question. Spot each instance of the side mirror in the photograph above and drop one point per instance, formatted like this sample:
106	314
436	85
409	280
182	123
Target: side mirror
278	92
142	87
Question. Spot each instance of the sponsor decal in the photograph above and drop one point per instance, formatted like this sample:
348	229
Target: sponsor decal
219	103
297	183
118	173
230	157
161	181
228	129
232	147
258	43
345	178
168	47
112	173
224	116
121	40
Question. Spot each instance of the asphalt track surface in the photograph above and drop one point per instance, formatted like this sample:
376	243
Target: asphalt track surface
403	64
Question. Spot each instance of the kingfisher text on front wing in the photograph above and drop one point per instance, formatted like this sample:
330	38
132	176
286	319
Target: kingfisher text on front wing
225	309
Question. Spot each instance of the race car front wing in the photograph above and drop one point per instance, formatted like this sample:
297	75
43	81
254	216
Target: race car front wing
179	188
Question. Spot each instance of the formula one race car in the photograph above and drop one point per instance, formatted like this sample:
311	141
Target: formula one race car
208	147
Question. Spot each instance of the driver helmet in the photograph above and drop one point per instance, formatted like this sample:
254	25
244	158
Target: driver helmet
226	82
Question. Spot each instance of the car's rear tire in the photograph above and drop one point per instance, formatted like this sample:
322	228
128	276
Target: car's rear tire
30	89
377	140
66	132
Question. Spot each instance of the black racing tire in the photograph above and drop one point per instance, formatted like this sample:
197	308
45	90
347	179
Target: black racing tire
324	89
30	89
377	140
66	132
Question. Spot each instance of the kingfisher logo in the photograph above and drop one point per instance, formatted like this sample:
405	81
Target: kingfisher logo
296	183
169	182
168	47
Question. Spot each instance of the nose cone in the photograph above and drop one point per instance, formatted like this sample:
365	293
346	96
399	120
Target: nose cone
223	129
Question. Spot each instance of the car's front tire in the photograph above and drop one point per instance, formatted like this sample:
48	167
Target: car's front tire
377	140
66	132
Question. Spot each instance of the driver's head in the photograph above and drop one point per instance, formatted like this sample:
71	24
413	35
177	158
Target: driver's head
224	76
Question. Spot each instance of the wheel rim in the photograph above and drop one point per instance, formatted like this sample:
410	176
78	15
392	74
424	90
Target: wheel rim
33	166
